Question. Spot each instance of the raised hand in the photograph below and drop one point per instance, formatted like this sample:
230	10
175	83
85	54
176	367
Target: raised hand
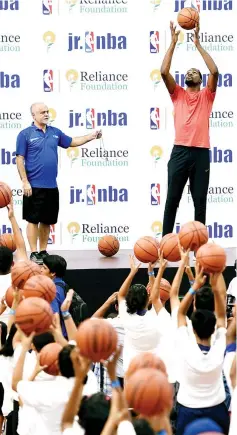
174	34
133	265
196	34
200	279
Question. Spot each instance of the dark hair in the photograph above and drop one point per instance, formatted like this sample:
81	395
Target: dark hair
203	322
93	413
142	427
56	264
65	362
3	333
137	298
200	74
41	340
112	315
6	260
204	299
7	349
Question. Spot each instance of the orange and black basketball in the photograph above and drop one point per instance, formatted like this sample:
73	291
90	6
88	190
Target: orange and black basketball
146	249
108	246
5	194
22	271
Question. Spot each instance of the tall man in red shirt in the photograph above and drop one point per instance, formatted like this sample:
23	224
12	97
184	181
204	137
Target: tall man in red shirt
190	155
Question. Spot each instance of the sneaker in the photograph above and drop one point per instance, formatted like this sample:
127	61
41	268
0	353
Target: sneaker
36	257
43	255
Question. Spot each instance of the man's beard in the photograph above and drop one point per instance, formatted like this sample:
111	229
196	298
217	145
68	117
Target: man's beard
190	83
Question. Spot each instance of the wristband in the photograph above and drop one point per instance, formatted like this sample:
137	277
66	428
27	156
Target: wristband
191	282
66	314
115	384
12	312
151	273
191	291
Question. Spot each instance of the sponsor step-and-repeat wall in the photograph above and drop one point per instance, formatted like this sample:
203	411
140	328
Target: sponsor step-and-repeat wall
96	64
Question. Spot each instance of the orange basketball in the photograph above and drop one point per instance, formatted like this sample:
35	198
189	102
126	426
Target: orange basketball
165	288
146	249
188	18
22	271
148	392
34	314
143	361
8	241
49	357
211	257
170	248
5	194
96	339
9	296
108	246
192	235
40	286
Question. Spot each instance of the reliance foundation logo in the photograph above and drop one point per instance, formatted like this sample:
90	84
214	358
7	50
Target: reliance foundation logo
156	153
97	157
206	5
155	4
98	6
210	41
90	42
92	195
87	233
96	81
10	120
224	80
216	195
155	77
49	39
91	119
10	43
222	119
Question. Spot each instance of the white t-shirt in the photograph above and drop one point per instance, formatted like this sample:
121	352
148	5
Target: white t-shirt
201	381
47	400
75	430
232	289
5	283
141	333
118	326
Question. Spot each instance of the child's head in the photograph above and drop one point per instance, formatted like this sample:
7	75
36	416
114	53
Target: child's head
204	299
41	340
54	266
204	322
137	298
93	413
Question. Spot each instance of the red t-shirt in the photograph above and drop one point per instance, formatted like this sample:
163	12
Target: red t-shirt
191	116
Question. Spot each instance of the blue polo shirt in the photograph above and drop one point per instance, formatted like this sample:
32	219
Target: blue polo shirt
40	151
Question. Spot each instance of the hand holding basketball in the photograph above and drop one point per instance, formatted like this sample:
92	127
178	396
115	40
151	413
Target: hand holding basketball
200	279
184	254
133	265
81	365
163	263
174	34
112	364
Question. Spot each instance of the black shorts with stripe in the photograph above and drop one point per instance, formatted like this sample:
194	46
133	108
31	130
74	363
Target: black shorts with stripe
42	206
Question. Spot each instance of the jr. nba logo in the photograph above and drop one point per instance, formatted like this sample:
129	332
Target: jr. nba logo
51	240
154	118
155	194
154	42
90	194
89	42
47	7
90	118
48	80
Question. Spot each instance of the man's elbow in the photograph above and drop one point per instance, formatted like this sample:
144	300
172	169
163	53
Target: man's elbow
163	72
215	73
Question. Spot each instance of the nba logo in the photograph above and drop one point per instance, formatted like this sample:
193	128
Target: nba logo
90	194
154	42
90	118
89	42
154	118
155	194
48	80
51	240
47	7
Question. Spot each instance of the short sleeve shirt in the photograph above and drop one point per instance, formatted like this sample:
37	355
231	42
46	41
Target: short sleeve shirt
40	151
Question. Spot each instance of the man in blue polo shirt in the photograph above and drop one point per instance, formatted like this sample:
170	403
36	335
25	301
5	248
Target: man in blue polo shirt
37	164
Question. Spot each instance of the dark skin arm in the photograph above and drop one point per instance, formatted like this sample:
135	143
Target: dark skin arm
166	64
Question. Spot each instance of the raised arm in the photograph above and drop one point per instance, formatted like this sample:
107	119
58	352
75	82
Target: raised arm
174	292
102	310
166	64
123	291
214	73
82	140
19	240
219	289
155	291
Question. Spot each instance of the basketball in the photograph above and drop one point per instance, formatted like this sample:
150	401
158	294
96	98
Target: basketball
165	288
8	241
108	246
9	296
146	249
211	257
22	271
49	357
192	235
170	248
34	314
5	194
188	18
96	339
40	286
144	361
148	392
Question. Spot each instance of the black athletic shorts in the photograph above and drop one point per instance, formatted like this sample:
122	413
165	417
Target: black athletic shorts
42	206
1	397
